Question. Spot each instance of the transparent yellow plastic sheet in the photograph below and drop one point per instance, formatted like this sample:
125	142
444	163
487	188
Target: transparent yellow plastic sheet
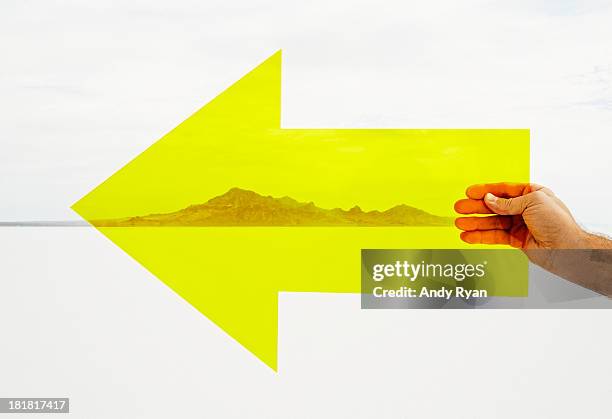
233	274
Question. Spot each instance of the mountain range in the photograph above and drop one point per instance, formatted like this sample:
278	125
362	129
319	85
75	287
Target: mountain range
240	207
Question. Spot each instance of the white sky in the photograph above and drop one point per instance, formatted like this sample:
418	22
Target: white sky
85	86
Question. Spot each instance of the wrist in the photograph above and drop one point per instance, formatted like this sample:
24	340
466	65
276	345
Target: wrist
583	239
588	240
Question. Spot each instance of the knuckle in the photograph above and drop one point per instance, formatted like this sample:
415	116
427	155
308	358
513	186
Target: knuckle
539	195
506	203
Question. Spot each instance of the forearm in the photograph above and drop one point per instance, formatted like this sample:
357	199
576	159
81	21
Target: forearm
590	265
596	242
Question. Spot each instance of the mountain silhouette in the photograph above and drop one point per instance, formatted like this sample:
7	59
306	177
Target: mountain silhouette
240	207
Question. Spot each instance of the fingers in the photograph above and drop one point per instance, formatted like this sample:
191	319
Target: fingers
504	189
495	222
471	206
507	206
515	238
486	237
476	194
493	230
535	187
519	235
491	205
509	201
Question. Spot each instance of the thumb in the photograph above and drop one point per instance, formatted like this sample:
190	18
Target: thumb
507	206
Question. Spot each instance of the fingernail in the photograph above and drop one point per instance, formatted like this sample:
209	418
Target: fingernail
491	198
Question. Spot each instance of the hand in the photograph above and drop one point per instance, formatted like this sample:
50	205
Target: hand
528	216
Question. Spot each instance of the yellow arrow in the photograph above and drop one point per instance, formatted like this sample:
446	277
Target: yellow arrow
233	274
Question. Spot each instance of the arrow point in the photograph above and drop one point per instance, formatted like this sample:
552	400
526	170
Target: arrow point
246	310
